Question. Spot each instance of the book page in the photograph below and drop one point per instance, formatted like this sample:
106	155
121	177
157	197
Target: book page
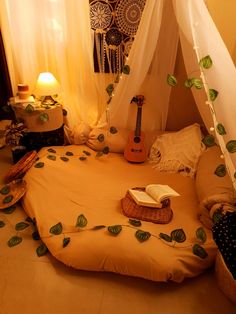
142	198
160	191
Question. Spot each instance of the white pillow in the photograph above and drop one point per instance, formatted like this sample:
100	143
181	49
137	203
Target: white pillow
178	151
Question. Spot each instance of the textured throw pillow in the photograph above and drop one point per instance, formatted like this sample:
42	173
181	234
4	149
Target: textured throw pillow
178	151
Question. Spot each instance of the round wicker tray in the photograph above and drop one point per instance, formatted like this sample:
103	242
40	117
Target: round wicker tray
11	193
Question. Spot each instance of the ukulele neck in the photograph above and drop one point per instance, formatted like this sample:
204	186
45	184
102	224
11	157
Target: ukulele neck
138	121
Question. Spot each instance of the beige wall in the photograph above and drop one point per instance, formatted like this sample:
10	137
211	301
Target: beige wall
223	13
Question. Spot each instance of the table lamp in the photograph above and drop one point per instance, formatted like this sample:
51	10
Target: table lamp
46	86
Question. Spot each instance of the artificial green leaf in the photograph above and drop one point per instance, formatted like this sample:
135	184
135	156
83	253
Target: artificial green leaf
13	241
66	241
188	83
36	236
86	153
220	170
109	100
51	150
69	154
43	117
165	237
126	69
110	89
171	80
113	130
213	94
29	108
82	158
101	137
99	154
41	250
52	157
39	164
7	199
142	235
21	225
235	175
64	158
220	129
178	235
81	221
201	234
197	83
106	150
209	140
98	227
199	251
115	230
9	210
28	219
56	229
231	146
5	190
206	62
2	223
217	216
117	79
135	222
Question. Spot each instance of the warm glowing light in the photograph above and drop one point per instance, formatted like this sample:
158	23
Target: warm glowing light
47	85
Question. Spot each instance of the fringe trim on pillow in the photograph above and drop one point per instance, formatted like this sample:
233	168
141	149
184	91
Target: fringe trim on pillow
175	166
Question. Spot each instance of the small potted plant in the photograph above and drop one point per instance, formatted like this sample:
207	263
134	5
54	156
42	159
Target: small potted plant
13	134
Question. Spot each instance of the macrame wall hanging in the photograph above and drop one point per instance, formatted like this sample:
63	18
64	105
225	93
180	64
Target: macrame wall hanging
114	23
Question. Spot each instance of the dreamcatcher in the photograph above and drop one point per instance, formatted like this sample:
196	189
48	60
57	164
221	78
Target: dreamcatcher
114	23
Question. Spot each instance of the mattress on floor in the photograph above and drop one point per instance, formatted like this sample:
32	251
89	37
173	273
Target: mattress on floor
75	196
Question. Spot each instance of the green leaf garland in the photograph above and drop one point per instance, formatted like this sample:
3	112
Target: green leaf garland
178	235
220	129
220	170
206	62
66	241
5	190
114	230
171	80
41	250
13	241
2	224
81	221
199	251
21	226
56	229
213	94
165	237
142	235
201	234
231	146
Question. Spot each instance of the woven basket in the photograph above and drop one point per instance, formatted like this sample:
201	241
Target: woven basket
224	278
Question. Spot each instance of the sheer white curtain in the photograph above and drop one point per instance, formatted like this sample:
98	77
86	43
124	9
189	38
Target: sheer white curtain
199	38
54	36
149	65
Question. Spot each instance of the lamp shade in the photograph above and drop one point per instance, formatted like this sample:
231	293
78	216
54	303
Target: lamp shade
47	85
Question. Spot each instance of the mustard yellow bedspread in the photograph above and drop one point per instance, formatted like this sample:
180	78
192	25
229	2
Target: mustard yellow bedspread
75	198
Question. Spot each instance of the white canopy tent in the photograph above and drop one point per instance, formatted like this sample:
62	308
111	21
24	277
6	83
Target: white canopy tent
58	38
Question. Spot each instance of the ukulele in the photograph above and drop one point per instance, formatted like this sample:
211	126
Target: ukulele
135	150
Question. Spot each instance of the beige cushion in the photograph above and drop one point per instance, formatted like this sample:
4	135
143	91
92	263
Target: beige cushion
116	142
212	189
178	151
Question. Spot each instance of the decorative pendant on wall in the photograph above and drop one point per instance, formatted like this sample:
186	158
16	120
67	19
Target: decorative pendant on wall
115	23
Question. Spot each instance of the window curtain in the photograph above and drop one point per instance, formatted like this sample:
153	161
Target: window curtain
54	36
216	100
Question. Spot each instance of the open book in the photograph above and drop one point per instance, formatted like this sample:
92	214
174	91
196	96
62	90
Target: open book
153	195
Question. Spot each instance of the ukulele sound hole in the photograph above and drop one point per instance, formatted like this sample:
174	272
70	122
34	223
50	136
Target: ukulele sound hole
137	139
